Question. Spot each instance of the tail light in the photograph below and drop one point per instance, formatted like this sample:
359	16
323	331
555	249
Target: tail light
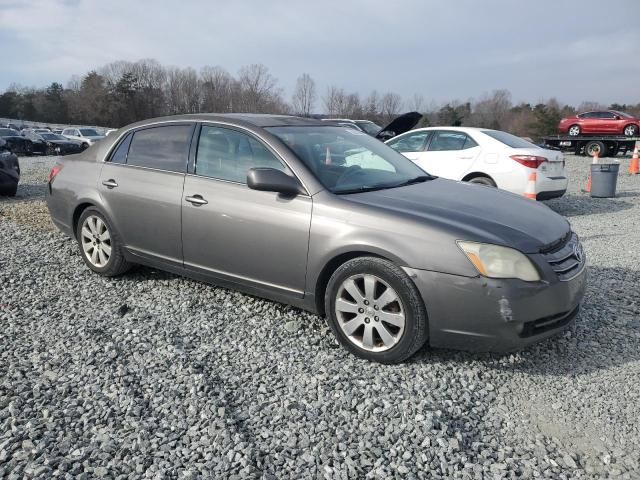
529	161
54	171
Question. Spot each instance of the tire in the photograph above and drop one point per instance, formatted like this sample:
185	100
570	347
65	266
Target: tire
574	130
486	181
630	130
91	238
9	192
591	147
351	316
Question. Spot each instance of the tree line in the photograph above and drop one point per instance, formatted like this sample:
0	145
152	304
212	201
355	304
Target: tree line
124	92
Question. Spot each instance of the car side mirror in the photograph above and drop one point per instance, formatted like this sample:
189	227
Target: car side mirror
272	180
617	117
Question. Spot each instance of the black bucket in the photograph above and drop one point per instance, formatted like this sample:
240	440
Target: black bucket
604	178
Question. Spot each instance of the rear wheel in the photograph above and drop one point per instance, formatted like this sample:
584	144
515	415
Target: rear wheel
486	181
10	192
100	245
631	130
574	130
375	310
595	147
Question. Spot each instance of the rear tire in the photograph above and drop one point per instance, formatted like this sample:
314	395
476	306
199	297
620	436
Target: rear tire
10	192
574	130
366	323
595	146
486	181
630	131
100	245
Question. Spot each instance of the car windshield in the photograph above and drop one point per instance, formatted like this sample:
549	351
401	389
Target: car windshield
89	132
8	132
369	127
52	136
349	161
509	140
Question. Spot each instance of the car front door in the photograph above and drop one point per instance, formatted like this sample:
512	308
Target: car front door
449	154
141	186
229	231
412	145
611	123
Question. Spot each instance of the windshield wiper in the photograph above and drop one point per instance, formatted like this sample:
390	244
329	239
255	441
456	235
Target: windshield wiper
369	188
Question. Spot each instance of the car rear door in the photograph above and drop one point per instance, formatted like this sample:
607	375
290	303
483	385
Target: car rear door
141	186
449	154
232	232
611	123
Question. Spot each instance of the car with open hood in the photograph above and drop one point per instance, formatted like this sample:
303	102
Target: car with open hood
9	170
399	125
328	219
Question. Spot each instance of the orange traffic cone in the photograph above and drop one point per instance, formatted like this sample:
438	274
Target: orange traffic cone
634	166
596	159
530	191
588	189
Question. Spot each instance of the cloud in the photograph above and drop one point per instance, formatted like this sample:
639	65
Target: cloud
441	49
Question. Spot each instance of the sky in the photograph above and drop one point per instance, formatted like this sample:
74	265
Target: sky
587	50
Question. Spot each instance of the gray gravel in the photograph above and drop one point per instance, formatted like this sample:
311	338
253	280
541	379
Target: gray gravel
155	376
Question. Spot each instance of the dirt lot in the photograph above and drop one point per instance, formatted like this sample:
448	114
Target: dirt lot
152	375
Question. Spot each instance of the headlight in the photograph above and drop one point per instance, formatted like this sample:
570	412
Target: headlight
499	262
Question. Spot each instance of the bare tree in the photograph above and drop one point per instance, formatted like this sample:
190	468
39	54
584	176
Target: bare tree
390	105
333	100
217	86
492	111
304	96
257	88
416	103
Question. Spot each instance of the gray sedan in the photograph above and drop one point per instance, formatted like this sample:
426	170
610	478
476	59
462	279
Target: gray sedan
330	220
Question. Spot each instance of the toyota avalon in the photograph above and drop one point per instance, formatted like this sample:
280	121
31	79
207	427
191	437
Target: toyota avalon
328	219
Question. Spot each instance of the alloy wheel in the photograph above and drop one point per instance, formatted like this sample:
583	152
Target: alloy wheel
370	313
96	241
574	131
630	130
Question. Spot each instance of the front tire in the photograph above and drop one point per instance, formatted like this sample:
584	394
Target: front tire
574	130
100	246
375	310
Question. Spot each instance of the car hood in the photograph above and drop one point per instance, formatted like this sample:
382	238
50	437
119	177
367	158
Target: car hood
399	125
475	212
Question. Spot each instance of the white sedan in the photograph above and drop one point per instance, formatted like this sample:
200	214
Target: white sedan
488	157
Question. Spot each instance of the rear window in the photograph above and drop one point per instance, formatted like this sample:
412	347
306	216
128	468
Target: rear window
508	139
162	148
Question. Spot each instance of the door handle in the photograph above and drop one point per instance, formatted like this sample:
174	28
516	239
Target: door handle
111	183
465	158
196	200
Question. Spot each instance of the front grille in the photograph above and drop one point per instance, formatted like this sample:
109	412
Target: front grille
567	259
545	324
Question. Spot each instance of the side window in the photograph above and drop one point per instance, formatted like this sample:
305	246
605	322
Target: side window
120	153
66	131
413	142
469	143
447	141
228	155
607	115
163	148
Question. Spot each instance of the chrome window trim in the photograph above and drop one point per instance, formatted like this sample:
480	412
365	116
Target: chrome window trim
272	148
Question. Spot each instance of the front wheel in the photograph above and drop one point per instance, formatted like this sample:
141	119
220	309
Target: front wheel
630	130
375	310
100	246
574	130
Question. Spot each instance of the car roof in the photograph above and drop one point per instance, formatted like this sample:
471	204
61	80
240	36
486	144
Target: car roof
253	119
454	129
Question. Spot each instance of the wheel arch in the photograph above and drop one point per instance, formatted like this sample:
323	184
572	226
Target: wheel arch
333	264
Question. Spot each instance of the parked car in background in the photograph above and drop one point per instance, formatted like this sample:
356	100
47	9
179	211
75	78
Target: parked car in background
16	142
487	157
328	219
9	170
86	135
109	131
49	143
606	122
398	125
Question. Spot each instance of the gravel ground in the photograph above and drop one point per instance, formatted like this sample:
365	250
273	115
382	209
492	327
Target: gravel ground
156	376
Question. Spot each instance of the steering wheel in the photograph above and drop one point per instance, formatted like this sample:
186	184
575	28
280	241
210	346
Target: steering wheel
352	171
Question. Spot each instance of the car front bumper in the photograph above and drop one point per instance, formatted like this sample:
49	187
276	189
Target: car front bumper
498	315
